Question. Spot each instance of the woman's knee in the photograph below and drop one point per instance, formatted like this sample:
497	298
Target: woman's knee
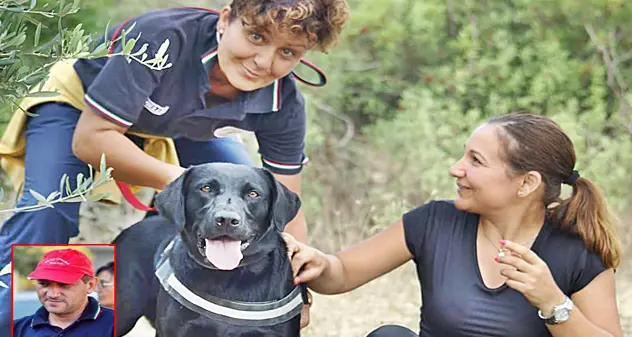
392	331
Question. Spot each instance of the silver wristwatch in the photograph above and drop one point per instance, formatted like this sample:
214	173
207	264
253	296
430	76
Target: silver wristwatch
561	312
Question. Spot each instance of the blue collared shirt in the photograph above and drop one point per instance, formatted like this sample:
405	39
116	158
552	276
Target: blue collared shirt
95	321
172	102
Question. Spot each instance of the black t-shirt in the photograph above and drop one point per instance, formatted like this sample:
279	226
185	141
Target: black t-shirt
456	303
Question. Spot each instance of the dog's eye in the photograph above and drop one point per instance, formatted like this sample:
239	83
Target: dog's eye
253	194
205	188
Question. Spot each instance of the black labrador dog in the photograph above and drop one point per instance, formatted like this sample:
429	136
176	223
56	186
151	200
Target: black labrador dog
213	263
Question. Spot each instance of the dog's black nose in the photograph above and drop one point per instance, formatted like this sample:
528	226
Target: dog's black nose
223	218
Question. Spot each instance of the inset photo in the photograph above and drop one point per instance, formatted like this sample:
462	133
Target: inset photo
63	290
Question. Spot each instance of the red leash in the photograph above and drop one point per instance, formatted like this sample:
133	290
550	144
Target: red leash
131	198
123	187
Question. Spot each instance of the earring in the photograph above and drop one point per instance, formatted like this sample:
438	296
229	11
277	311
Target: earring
521	193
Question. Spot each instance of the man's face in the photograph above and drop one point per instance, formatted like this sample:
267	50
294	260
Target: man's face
61	298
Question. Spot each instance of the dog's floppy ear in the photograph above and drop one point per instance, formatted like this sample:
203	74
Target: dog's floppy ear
285	203
170	201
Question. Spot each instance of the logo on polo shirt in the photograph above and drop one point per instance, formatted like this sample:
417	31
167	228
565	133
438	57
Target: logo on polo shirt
57	261
154	108
240	135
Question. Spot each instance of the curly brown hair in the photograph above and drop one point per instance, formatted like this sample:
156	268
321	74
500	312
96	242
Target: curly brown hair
320	20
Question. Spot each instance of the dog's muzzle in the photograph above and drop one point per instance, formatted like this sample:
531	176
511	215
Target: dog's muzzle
222	240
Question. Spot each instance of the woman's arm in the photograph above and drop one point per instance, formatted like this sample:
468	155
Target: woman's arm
353	267
595	313
297	227
95	135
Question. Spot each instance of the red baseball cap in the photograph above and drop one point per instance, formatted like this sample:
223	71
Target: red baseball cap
63	266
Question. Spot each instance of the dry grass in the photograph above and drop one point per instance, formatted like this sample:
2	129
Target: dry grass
395	299
392	299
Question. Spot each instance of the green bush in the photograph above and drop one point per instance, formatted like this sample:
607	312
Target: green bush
418	76
410	80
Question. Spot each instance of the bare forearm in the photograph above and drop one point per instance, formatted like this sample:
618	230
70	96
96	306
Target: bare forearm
578	326
298	227
347	271
130	163
358	265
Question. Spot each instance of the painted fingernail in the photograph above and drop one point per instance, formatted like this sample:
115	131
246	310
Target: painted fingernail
297	281
502	242
496	258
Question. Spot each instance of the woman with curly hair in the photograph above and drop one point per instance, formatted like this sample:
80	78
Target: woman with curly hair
225	70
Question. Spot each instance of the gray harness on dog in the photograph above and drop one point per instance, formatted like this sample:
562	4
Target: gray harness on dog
231	312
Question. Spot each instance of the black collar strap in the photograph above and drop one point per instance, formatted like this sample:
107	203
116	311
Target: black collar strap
236	313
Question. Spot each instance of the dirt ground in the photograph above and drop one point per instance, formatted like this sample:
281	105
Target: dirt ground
392	299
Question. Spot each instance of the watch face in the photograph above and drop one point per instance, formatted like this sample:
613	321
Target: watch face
561	315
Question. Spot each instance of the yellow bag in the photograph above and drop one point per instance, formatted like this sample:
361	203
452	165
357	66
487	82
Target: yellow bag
64	80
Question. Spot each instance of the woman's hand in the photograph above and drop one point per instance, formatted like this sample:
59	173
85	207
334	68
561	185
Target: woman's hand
307	262
294	247
530	276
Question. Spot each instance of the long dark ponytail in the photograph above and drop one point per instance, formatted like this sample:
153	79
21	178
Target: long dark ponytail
536	143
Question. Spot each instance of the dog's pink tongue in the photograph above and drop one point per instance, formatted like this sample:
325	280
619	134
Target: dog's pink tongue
224	254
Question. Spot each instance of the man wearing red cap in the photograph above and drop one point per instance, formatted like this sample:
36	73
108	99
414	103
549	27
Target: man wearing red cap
65	278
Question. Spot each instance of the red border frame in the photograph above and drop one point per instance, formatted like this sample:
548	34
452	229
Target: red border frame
60	245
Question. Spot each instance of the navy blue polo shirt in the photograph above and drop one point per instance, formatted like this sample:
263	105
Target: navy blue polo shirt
172	102
95	321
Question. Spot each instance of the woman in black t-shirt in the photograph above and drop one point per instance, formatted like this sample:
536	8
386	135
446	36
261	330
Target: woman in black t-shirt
508	257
